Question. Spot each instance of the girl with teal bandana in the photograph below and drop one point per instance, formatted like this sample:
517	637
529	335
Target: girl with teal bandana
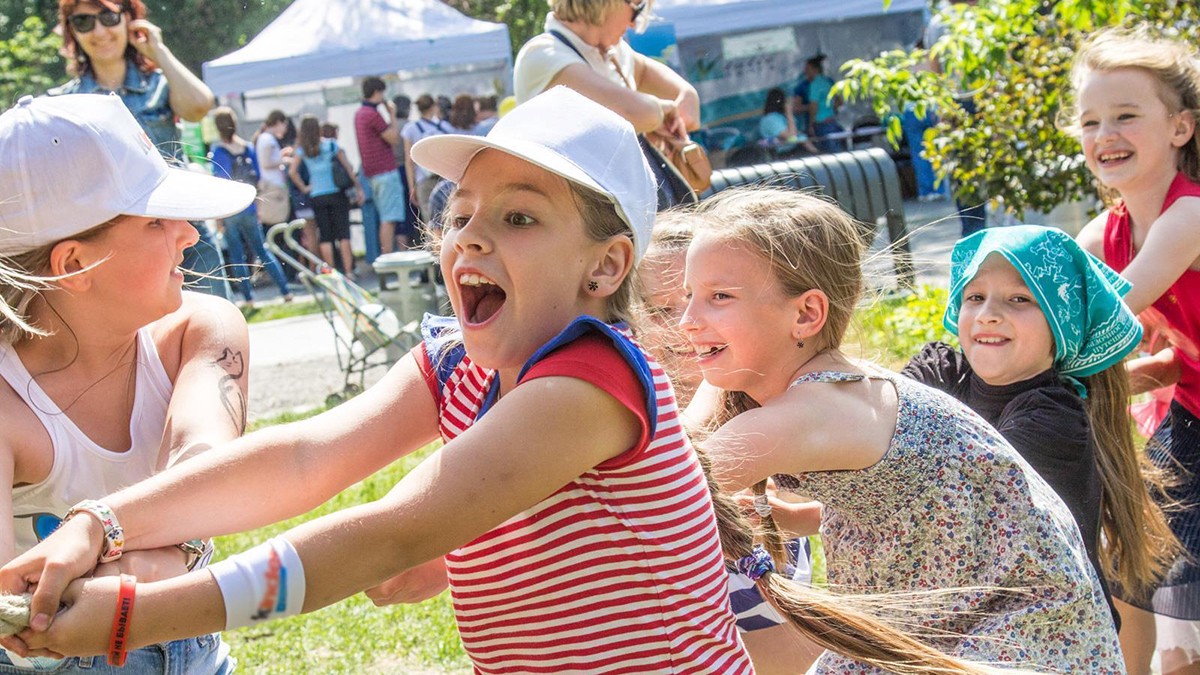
1044	332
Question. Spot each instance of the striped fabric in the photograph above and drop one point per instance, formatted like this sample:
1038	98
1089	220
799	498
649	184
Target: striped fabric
619	571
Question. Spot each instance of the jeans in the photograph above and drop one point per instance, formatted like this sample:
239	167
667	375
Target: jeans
205	655
824	127
914	135
205	258
242	230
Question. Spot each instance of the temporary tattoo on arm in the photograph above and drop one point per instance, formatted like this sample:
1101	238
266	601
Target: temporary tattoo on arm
232	398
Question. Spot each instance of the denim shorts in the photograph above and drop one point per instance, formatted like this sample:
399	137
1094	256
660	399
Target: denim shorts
389	197
205	655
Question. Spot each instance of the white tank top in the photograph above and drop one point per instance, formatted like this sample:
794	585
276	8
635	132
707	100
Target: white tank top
82	469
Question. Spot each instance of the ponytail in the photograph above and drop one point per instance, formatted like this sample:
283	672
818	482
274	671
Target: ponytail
18	288
834	623
1138	544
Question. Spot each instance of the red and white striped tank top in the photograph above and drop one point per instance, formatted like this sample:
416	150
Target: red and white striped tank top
619	571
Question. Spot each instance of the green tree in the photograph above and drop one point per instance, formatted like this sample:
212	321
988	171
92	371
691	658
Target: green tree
1011	59
525	18
29	61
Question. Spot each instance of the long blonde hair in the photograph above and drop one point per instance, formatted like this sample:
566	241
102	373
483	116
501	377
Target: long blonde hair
1138	544
1174	65
848	626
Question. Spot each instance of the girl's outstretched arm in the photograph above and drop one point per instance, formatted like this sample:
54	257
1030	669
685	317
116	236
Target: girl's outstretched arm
258	479
1171	247
499	467
811	427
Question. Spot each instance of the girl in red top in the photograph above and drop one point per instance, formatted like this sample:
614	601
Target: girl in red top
567	510
1137	98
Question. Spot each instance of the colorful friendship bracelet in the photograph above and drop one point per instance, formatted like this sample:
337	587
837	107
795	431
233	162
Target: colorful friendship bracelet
114	536
119	639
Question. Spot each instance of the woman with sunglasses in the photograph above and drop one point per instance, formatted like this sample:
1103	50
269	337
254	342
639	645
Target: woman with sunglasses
584	49
111	47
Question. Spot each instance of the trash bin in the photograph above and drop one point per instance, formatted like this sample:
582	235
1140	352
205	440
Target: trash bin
408	284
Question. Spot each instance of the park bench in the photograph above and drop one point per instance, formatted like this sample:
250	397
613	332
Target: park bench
864	182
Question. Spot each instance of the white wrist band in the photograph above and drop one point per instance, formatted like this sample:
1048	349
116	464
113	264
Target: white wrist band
264	583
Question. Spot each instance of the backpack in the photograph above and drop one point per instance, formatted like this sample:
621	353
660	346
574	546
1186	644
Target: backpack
241	166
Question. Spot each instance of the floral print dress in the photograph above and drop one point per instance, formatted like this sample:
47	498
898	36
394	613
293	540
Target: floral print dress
951	506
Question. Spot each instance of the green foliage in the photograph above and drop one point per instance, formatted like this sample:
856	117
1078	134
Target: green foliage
195	30
1011	59
29	61
352	636
525	18
893	329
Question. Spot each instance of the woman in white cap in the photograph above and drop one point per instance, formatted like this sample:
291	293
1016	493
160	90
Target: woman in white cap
567	510
109	372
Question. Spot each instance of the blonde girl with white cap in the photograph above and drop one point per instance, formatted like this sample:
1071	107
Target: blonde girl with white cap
109	371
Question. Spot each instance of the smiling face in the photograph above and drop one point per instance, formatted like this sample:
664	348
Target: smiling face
662	277
1130	137
516	258
103	44
1002	329
738	319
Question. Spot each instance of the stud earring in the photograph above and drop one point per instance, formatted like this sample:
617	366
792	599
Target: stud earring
593	286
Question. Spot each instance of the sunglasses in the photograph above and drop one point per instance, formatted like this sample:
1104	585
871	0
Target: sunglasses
84	23
637	7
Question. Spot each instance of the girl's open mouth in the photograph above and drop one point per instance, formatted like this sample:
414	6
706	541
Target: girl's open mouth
710	352
482	299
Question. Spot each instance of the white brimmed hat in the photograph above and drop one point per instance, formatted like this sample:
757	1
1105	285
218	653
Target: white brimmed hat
70	163
568	134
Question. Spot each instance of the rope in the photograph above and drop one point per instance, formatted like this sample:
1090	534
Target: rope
14	613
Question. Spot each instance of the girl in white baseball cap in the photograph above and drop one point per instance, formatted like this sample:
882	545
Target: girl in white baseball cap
567	510
109	372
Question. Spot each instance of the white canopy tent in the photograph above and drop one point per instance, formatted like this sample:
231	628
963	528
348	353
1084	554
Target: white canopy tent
316	40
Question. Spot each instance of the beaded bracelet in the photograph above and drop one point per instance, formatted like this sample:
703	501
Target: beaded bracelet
119	638
114	536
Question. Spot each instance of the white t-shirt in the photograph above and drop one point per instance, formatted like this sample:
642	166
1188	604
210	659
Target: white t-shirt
544	55
270	158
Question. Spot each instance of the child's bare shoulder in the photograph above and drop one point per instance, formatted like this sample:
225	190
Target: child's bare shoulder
202	320
840	425
25	441
1091	237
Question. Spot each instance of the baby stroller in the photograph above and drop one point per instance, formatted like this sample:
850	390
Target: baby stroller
362	327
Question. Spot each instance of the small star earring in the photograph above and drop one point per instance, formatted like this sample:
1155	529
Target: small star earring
593	286
800	344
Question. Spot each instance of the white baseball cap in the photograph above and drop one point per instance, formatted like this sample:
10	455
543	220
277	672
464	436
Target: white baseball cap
568	134
70	163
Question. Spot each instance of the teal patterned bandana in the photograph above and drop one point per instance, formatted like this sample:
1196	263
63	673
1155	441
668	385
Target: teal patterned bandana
1081	296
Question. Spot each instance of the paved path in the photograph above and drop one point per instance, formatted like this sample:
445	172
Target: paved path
294	365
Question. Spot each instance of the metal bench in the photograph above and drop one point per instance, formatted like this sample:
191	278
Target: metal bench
864	182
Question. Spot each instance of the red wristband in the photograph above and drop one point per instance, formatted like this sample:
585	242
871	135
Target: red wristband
120	626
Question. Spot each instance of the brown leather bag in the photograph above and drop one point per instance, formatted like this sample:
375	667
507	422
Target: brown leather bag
691	161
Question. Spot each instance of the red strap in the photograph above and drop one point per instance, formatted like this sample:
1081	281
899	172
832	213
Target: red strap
120	626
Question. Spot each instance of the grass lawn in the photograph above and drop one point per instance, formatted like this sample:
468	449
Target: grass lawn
280	310
352	636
